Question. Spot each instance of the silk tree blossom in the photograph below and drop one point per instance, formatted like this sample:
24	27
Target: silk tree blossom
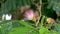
28	15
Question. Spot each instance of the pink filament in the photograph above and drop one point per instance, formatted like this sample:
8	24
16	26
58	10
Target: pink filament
28	15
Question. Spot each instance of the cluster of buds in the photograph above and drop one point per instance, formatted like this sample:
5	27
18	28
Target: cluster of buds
50	20
50	23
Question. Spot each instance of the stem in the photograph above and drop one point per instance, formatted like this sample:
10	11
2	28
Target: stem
42	20
39	12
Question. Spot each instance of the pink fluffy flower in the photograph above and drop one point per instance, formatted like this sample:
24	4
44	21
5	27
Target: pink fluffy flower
28	15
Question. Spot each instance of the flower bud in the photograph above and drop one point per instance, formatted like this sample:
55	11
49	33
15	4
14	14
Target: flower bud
50	20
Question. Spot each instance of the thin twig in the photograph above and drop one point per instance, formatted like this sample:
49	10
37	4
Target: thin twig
39	14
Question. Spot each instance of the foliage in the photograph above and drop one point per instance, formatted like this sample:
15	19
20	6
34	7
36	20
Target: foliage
10	5
46	31
26	27
16	27
55	5
5	27
57	27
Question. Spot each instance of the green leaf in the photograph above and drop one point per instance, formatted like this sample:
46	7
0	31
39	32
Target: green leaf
43	30
46	31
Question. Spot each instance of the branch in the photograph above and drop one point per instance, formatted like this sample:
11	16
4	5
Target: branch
39	14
